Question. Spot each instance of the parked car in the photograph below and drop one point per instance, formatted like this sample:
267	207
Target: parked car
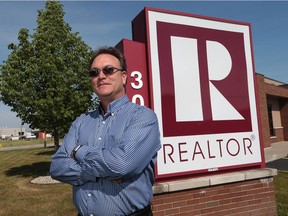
12	138
5	137
29	135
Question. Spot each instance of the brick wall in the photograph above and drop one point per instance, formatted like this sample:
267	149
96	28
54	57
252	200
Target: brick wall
248	197
263	110
254	197
284	117
282	93
279	135
263	90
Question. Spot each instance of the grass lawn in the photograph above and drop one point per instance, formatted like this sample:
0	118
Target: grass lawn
19	197
281	187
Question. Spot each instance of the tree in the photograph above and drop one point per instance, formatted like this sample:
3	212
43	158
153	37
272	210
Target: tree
45	78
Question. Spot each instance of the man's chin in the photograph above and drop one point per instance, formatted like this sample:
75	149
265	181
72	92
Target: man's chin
104	96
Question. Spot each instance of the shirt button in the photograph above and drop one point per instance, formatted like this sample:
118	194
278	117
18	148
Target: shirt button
103	122
112	114
91	214
99	138
89	194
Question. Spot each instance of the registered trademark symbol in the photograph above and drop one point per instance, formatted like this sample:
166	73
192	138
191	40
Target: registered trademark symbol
252	137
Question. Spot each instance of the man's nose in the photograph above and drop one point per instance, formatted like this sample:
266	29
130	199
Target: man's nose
101	74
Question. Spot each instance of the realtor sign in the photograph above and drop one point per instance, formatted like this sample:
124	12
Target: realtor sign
199	79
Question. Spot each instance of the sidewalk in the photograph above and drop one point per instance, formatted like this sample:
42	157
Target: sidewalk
276	156
276	151
26	147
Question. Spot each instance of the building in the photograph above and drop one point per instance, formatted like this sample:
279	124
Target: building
11	132
273	106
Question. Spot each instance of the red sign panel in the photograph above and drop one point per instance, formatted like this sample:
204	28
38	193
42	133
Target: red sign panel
201	82
232	87
137	83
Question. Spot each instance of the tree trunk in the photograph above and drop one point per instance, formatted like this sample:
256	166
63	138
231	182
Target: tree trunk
56	138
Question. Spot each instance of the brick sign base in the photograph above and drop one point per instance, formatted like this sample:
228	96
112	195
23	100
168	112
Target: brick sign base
254	196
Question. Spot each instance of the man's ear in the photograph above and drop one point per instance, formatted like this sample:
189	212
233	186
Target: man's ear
124	77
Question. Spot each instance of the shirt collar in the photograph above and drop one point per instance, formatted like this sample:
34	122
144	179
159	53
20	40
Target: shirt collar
114	106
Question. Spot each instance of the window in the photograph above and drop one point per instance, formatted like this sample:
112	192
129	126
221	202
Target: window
271	127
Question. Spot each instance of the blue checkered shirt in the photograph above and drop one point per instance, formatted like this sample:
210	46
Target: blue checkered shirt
113	171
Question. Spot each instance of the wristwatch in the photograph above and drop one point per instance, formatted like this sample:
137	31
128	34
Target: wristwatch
74	151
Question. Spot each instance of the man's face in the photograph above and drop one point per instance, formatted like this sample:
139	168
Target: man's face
111	86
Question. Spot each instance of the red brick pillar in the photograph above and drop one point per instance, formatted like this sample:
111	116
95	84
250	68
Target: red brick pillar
264	122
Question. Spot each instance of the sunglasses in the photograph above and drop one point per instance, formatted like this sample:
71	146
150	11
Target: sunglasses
108	70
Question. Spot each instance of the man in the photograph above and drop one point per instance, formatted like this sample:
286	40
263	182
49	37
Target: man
108	155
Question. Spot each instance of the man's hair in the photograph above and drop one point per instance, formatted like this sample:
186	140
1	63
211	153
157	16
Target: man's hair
112	51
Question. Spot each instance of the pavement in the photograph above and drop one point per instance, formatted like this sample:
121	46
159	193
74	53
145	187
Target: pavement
25	147
277	151
276	156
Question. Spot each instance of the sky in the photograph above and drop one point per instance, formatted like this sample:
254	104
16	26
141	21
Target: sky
107	22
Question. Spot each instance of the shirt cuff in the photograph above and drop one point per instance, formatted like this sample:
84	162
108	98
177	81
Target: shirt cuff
81	153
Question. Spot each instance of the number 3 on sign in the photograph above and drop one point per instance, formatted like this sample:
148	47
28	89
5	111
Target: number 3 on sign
138	78
137	85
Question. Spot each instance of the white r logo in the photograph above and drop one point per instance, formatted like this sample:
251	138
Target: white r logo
187	80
